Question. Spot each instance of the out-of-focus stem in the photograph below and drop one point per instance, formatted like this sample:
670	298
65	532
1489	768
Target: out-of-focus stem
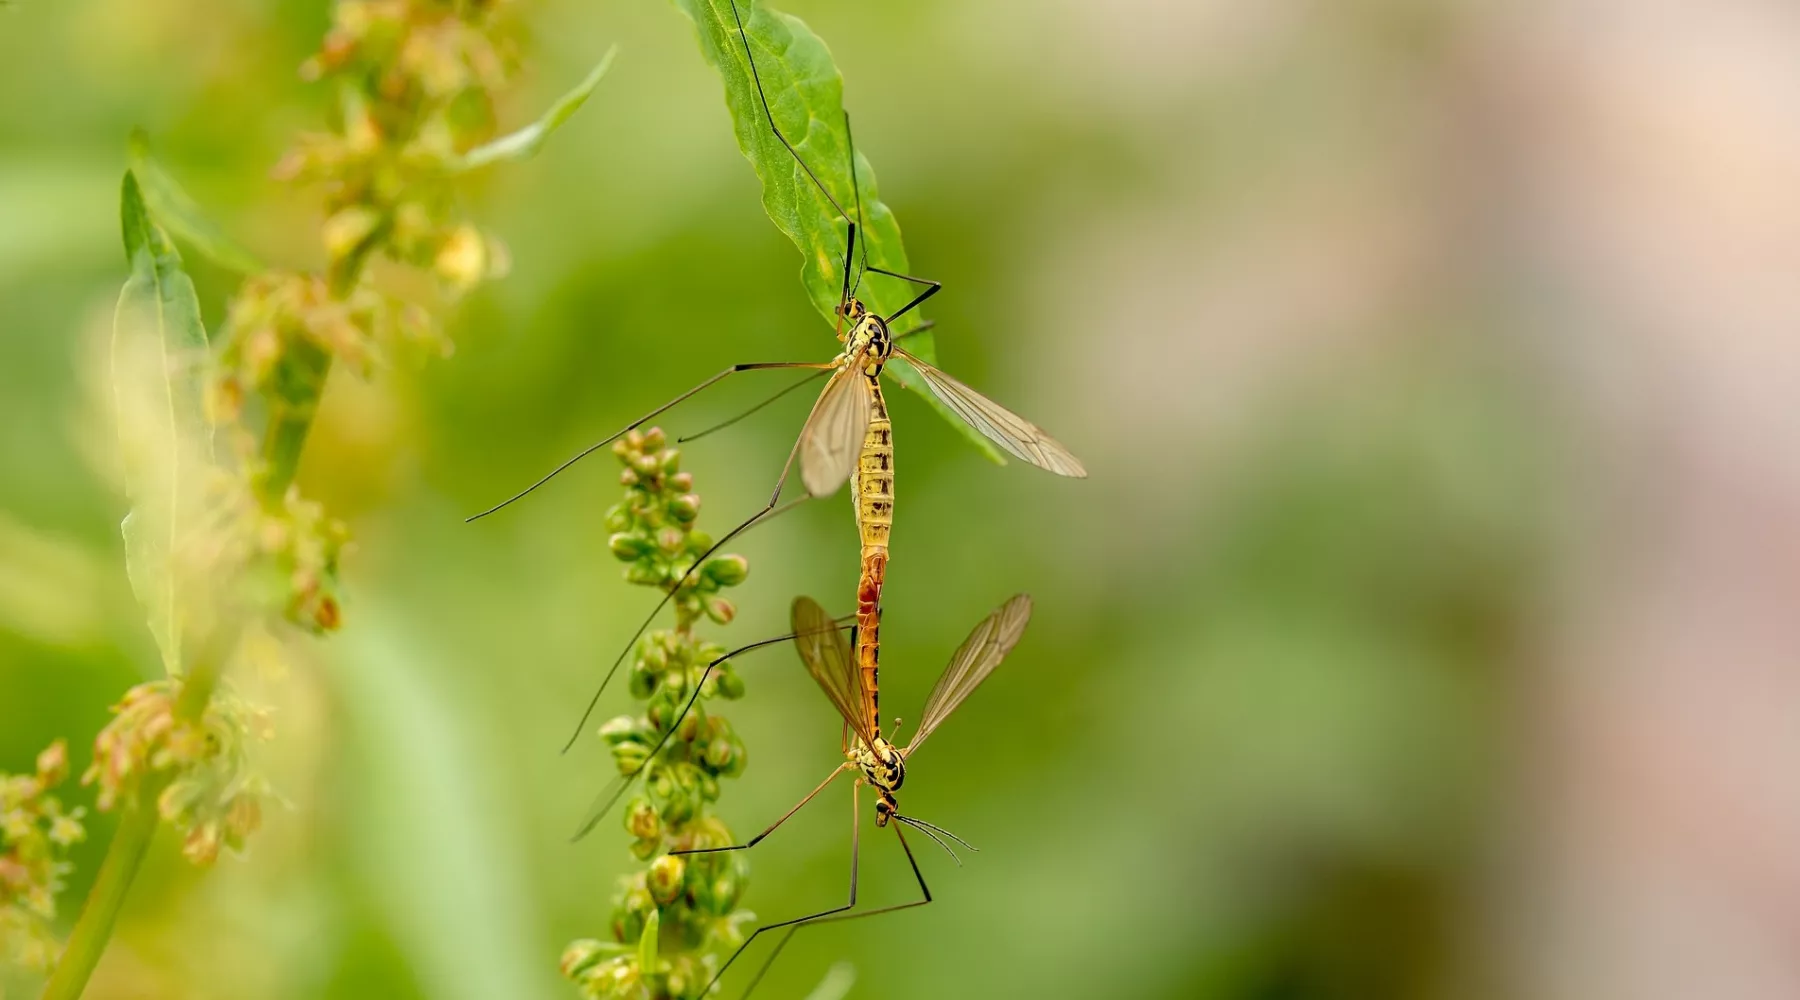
130	842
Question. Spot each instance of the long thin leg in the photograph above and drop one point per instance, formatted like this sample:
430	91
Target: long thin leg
684	439
768	510
855	842
639	422
609	796
744	36
856	193
831	918
932	288
753	841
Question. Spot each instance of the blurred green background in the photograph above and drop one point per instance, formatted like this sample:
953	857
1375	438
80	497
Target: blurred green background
1255	742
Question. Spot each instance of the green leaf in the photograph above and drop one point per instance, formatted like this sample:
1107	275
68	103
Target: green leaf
527	141
172	207
836	984
646	950
805	93
158	345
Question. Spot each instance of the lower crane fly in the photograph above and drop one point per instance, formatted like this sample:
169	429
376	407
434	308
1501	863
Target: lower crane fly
876	760
831	440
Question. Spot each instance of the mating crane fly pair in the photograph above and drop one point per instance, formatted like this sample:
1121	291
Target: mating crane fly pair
848	435
850	411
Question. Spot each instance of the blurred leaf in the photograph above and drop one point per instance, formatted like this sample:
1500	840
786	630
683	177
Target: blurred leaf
527	141
646	949
172	207
430	817
805	93
157	345
836	984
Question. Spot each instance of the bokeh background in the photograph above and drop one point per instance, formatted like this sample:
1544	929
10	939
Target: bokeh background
1426	628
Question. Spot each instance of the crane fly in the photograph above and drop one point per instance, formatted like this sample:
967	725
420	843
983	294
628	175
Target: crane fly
877	761
849	410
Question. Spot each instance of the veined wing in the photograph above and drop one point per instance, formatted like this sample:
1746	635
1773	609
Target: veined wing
979	654
834	432
603	803
1001	425
827	658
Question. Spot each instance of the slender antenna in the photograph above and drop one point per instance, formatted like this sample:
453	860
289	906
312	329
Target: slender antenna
916	821
938	840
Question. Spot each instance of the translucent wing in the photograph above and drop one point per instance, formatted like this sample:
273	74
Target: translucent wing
1001	425
834	432
979	654
603	803
827	658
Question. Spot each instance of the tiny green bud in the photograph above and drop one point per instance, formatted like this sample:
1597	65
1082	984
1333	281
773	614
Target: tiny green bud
671	462
709	787
665	878
730	684
628	545
740	758
646	465
698	542
682	482
643	573
641	820
685	507
581	956
618	730
727	571
669	539
643	850
653	440
721	610
718	753
634	442
630	757
618	517
628	477
642	682
347	229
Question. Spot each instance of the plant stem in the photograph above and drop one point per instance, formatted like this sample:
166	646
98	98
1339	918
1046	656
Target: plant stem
130	843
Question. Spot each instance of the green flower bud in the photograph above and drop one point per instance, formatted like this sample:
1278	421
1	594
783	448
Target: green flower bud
729	683
644	573
681	482
646	465
708	787
622	447
653	440
669	539
618	730
665	878
642	681
644	850
642	821
721	610
634	443
671	462
725	892
630	757
685	507
628	477
582	955
347	229
618	518
719	753
726	571
698	541
628	546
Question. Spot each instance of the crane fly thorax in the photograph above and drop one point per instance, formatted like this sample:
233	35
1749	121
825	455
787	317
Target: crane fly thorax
869	339
884	768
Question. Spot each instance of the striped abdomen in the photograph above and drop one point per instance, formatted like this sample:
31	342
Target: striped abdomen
873	488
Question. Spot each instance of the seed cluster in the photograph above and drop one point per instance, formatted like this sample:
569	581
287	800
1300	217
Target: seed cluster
690	902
